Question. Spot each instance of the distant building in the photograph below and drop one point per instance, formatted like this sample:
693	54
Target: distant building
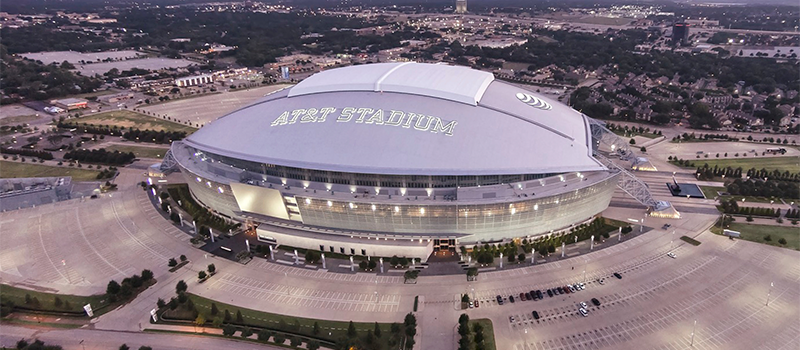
71	103
461	6
680	33
194	80
114	98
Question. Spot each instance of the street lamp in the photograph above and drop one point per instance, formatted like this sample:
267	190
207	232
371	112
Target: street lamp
693	328
771	284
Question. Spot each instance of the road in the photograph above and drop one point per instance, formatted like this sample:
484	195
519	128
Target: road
90	339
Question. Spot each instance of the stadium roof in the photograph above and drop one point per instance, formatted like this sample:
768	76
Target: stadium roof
405	119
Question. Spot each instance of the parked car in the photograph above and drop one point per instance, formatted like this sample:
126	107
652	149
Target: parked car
595	302
617	275
534	295
471	304
550	293
511	298
583	312
528	296
572	289
522	297
539	293
671	255
476	304
582	285
566	290
535	315
601	281
511	319
500	300
582	305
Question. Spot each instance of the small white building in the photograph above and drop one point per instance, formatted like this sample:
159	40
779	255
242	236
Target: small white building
194	80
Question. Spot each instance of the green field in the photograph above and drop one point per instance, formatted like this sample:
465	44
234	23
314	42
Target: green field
711	192
18	119
756	233
140	152
792	164
18	169
628	134
127	119
488	332
47	300
253	318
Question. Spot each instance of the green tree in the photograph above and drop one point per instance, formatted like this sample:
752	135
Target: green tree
351	330
316	329
212	268
228	330
121	347
201	275
112	287
181	287
239	317
377	330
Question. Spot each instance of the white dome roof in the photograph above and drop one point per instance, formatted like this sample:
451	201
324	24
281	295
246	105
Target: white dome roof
405	119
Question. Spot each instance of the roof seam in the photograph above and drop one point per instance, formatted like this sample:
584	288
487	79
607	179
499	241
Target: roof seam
386	75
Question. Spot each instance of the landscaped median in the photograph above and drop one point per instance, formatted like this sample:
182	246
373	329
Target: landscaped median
13	299
205	314
779	236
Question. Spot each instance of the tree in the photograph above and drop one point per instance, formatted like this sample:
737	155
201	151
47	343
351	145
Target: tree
147	275
145	348
363	265
632	142
372	264
172	262
377	330
521	257
782	241
643	149
464	298
295	341
121	347
351	330
312	257
200	320
201	275
279	338
183	258
214	309
316	329
181	287
239	317
228	330
312	345
264	335
212	268
161	303
112	287
394	260
246	332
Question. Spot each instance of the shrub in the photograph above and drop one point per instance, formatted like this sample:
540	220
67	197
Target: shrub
228	330
768	238
782	241
246	332
201	275
264	335
172	262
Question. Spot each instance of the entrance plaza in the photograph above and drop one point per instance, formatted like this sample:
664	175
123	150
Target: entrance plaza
76	246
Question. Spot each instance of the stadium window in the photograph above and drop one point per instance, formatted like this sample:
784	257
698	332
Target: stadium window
363	252
352	251
341	250
331	249
321	248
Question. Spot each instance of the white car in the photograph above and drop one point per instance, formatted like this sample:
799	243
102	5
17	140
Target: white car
671	255
582	285
583	305
583	312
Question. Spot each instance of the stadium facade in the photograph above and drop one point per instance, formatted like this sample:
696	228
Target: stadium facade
398	159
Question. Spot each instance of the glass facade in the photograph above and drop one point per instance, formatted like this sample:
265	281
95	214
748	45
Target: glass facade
483	222
372	180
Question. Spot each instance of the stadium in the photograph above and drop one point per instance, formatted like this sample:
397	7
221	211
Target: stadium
398	159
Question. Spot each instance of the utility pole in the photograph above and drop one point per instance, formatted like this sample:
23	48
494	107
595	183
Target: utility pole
693	328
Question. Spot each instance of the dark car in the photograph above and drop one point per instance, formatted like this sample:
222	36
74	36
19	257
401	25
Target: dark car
511	298
550	293
617	275
500	300
533	295
566	290
595	302
560	290
535	315
522	297
528	296
539	293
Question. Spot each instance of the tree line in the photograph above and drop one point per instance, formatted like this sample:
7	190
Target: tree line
101	156
760	188
27	153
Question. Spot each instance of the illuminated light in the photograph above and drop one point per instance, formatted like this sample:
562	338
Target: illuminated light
330	203
283	182
396	209
308	200
535	207
513	211
220	190
422	210
430	191
198	179
351	205
328	187
373	207
403	191
208	183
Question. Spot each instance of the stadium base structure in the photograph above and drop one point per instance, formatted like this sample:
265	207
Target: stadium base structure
402	159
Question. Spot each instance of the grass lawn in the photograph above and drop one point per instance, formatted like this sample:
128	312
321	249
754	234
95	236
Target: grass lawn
140	152
792	164
621	132
127	119
756	233
47	300
253	318
711	192
18	169
488	332
18	119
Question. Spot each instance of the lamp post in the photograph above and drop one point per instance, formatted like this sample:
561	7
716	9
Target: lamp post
771	284
693	328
